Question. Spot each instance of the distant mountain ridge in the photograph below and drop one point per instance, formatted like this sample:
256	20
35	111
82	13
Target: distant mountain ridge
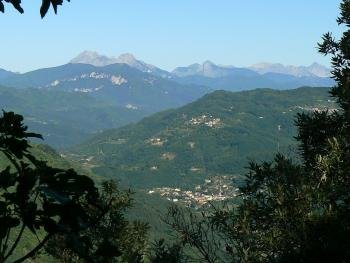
215	77
211	70
95	59
314	69
263	75
206	69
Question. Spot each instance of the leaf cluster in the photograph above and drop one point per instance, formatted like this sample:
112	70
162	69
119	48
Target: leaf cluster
111	239
45	6
35	196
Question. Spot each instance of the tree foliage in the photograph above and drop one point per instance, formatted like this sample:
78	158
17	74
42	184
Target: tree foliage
70	218
165	253
45	6
112	239
35	197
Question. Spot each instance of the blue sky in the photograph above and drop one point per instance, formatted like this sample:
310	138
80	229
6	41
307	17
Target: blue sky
169	33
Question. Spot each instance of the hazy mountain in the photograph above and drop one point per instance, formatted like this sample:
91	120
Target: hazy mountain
5	74
248	80
297	71
210	70
215	77
95	59
216	135
261	76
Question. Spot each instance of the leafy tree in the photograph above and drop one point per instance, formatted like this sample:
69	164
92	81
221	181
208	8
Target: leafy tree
62	210
45	6
112	239
37	199
296	212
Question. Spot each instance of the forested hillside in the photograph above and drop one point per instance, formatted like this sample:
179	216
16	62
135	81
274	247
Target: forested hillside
216	135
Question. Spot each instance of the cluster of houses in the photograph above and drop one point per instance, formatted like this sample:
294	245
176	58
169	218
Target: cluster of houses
215	189
207	120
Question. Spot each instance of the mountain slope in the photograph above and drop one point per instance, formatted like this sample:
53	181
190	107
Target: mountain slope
117	84
215	135
65	118
5	74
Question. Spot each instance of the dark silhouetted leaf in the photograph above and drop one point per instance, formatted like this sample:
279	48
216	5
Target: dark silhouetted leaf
44	7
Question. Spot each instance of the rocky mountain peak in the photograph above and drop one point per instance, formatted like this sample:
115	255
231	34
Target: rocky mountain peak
93	58
127	58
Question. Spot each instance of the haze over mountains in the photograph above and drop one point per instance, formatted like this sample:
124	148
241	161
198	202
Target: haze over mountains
263	75
211	70
314	69
209	74
208	68
69	103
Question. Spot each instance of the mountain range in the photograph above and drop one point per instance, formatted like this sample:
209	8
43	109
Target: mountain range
117	84
207	68
126	70
263	75
69	103
72	102
313	70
